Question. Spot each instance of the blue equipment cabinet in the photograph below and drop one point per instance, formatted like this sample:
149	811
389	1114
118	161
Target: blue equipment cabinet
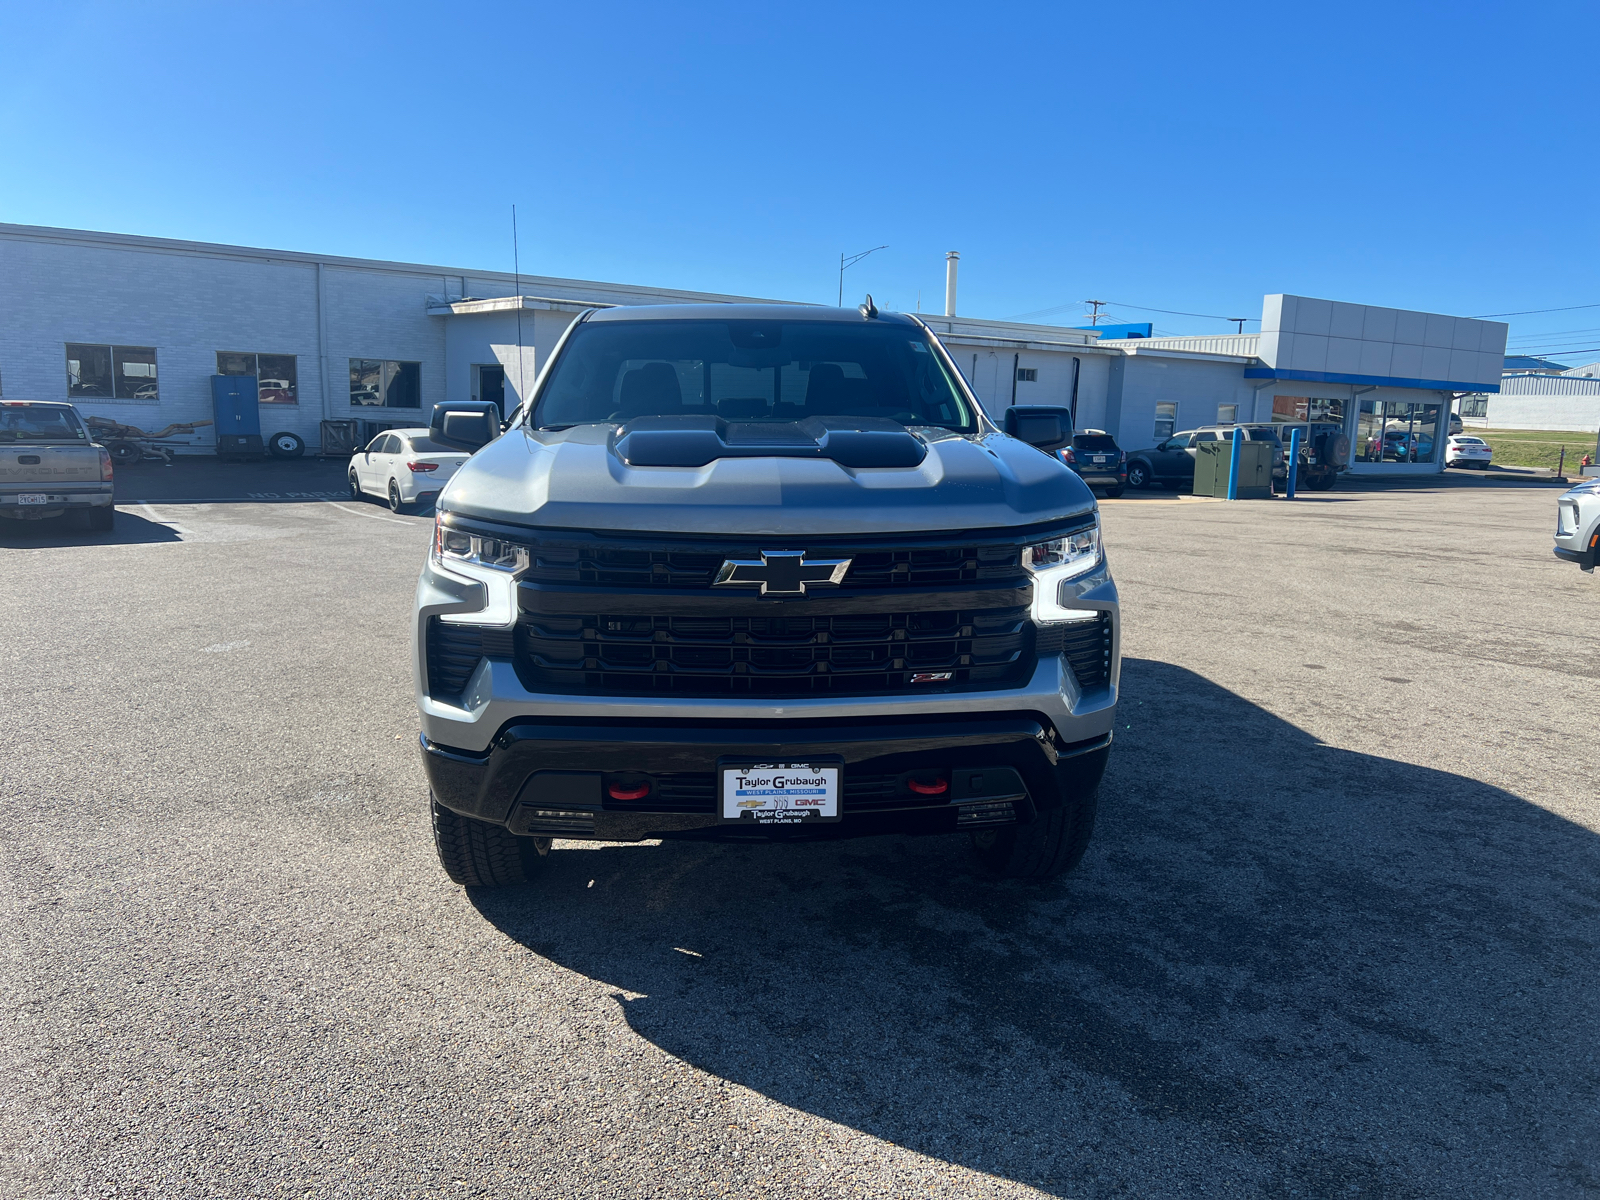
236	404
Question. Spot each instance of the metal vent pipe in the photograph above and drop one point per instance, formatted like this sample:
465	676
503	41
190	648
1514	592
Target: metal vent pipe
950	261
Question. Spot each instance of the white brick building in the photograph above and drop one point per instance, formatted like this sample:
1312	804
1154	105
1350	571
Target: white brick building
134	328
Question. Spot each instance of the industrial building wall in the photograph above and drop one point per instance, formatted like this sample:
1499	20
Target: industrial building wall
989	369
1195	386
381	315
1545	402
186	306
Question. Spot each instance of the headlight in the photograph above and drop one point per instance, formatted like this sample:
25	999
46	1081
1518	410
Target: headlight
1053	563
451	546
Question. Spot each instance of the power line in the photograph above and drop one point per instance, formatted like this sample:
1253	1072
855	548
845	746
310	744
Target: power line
1528	312
1171	312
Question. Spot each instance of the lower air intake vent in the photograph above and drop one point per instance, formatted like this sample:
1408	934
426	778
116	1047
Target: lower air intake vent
454	652
1086	646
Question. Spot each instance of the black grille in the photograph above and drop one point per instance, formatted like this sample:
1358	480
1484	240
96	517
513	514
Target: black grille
597	564
454	652
1086	646
777	656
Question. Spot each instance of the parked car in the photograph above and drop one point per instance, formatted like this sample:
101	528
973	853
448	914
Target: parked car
1324	452
1098	460
1405	445
1455	423
1171	463
665	605
1465	451
404	466
49	465
1578	524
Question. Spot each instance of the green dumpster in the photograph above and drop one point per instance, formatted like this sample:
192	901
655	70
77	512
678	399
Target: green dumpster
1255	469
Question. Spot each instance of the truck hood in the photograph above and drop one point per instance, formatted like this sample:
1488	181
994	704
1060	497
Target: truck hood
575	479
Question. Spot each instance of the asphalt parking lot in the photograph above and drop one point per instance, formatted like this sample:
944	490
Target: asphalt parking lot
1336	935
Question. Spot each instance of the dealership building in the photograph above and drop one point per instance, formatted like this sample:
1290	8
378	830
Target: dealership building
133	329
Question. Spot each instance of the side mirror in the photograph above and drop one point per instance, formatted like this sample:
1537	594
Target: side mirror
1046	426
466	425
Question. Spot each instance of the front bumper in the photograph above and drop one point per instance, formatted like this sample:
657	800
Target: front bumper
1578	527
550	777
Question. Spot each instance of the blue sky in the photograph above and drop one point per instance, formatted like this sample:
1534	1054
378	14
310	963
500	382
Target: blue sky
1180	157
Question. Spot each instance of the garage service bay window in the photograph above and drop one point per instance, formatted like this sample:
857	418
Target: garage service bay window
97	372
385	384
276	375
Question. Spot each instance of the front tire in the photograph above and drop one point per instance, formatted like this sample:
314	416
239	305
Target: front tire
478	854
355	488
1138	475
1051	844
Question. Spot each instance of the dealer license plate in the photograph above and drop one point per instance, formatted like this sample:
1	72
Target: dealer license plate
33	498
791	792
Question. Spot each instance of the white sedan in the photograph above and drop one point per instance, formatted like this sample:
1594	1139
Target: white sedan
1466	451
403	467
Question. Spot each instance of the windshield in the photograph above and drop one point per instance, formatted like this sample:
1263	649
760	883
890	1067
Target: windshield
750	371
24	422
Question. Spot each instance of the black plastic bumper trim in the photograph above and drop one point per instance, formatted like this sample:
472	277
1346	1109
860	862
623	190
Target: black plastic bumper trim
491	786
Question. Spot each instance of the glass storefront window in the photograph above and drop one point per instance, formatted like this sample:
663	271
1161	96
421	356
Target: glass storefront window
1393	432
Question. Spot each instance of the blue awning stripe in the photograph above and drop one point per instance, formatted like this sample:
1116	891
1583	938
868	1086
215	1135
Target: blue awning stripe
1424	385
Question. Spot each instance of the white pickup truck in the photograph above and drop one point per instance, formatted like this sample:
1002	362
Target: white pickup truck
49	465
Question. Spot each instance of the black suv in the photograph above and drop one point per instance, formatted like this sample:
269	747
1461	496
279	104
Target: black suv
1098	460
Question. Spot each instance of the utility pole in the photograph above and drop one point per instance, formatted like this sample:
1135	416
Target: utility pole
851	260
1094	316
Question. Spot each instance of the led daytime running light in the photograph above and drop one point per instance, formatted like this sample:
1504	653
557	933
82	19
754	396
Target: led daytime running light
459	546
1053	563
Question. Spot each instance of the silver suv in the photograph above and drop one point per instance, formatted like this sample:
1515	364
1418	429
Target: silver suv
762	572
1578	524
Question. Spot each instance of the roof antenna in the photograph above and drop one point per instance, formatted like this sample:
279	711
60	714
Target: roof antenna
869	310
516	265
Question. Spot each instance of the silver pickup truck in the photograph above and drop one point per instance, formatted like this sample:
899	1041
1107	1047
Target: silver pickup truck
767	573
49	465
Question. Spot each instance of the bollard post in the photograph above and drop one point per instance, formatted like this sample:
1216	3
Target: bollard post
1294	459
1233	464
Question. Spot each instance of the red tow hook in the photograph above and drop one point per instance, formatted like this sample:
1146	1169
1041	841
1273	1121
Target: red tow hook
929	787
623	791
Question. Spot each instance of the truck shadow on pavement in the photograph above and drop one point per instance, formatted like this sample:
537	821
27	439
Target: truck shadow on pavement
128	529
1282	968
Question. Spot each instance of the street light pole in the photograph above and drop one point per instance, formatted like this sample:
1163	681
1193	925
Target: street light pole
850	261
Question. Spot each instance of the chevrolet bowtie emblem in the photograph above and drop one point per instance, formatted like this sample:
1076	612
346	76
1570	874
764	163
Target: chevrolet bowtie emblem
782	572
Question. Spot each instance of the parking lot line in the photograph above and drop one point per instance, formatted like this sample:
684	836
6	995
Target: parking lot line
373	516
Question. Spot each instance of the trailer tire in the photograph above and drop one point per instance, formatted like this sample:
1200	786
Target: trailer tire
124	453
286	445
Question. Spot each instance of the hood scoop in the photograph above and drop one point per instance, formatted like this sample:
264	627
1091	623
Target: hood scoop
695	441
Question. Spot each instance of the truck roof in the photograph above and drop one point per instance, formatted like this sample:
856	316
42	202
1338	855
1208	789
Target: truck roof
742	312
